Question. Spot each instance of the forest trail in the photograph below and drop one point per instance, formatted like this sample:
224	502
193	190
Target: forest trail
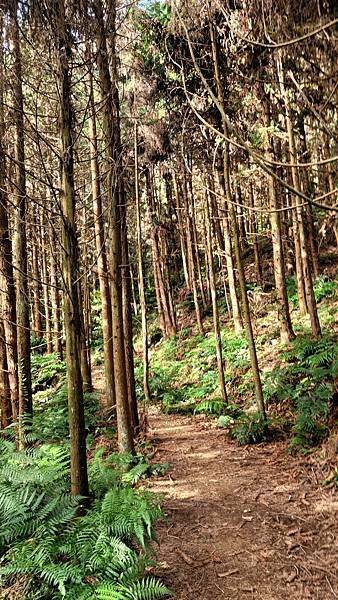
243	522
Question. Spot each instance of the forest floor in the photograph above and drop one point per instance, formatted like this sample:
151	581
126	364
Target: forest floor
243	522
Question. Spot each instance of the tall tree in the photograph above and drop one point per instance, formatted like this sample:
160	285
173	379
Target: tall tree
115	194
20	238
100	242
70	266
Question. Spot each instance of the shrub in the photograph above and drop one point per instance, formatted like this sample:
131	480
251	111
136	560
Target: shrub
306	379
249	429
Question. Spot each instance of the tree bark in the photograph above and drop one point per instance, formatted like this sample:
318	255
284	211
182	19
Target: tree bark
102	262
5	394
236	240
45	287
7	284
304	256
20	241
254	232
143	305
285	326
115	196
236	311
55	289
215	313
70	266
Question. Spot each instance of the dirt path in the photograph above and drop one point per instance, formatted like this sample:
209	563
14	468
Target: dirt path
243	523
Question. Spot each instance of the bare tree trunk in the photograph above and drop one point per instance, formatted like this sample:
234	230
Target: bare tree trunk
128	328
311	234
36	288
190	249
5	394
55	292
20	241
306	271
236	312
215	313
7	284
242	283
236	241
182	233
240	219
72	319
285	326
84	311
115	199
257	258
45	287
160	285
102	263
143	305
195	247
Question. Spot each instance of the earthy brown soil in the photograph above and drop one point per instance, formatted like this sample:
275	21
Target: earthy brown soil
243	522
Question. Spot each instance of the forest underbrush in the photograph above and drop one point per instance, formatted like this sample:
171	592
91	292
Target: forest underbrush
299	379
54	545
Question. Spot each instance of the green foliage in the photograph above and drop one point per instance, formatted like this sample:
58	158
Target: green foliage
38	344
249	429
332	478
56	553
291	286
47	370
184	377
311	418
50	422
147	589
119	469
324	288
305	377
225	421
160	11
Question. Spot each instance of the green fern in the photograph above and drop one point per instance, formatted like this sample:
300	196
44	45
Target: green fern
136	473
211	407
146	589
57	554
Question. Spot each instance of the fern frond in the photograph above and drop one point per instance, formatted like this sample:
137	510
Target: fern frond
146	589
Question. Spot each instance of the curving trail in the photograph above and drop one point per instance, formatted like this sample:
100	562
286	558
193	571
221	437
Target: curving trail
244	523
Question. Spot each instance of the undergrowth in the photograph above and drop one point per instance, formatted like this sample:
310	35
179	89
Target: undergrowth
304	379
49	552
184	375
51	414
297	388
323	288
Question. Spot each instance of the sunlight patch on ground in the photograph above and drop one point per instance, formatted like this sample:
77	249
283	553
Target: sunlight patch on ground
327	505
175	429
174	491
204	455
